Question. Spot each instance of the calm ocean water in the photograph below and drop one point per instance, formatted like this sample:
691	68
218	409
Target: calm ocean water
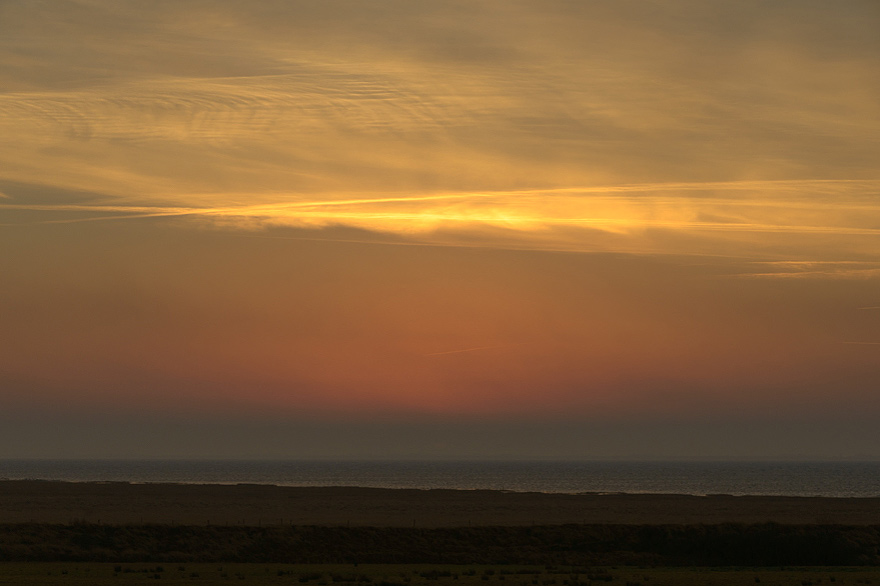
839	479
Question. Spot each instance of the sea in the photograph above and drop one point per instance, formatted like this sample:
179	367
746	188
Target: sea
831	479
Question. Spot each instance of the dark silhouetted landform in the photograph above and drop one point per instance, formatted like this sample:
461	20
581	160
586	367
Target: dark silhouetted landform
263	505
119	522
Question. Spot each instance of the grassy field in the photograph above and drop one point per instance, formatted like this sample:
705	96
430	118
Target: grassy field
423	575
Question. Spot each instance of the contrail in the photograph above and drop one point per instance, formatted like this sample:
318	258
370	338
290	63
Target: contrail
620	188
468	350
413	217
273	210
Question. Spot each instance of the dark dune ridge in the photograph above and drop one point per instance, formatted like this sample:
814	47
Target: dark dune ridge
34	501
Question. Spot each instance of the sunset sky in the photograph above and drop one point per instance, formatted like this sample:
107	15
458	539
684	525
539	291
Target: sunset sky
538	229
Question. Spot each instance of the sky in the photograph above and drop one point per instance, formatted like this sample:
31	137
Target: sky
482	229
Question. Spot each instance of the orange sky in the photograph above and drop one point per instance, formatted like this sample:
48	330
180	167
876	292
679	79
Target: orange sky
342	214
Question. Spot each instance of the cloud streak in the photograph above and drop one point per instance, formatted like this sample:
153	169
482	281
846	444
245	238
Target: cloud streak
465	350
547	218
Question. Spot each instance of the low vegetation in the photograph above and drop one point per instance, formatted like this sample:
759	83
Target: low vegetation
761	545
74	574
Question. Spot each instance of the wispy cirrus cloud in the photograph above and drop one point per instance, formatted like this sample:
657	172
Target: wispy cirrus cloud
474	131
324	100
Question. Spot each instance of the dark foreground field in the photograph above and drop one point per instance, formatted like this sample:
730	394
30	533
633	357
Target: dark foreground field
547	545
560	539
52	574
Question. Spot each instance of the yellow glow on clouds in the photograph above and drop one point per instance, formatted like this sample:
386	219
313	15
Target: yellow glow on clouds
548	123
737	138
551	219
